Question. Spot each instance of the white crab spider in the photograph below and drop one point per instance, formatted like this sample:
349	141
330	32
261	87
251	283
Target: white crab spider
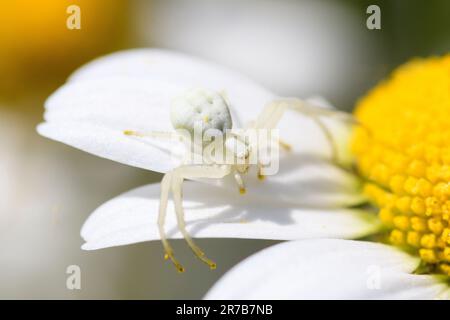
210	110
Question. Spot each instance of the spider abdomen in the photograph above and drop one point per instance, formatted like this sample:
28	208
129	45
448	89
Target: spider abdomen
202	109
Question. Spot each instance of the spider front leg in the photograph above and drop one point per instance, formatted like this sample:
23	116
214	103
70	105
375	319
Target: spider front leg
153	134
178	204
272	114
173	181
166	184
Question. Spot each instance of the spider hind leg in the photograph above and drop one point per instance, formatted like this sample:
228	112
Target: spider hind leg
272	114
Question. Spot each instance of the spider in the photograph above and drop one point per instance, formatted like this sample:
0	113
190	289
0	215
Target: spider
209	110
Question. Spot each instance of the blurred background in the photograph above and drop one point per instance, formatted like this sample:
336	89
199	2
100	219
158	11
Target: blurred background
47	189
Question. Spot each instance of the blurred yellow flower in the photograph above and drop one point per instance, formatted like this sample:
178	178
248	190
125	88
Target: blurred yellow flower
36	44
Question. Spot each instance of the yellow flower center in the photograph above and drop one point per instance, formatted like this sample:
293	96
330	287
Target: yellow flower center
403	153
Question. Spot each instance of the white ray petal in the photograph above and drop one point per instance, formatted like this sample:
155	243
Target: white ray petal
215	212
112	144
92	115
132	90
245	96
119	103
328	269
305	180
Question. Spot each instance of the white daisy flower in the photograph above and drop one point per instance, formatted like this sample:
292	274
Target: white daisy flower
310	196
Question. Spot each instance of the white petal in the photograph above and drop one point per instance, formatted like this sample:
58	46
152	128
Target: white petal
341	132
215	212
305	180
132	90
92	116
114	145
328	269
119	103
320	102
245	96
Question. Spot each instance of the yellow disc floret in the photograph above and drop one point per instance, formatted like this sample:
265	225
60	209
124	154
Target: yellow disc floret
403	152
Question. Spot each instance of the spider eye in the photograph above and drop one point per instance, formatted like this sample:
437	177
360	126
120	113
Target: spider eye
200	108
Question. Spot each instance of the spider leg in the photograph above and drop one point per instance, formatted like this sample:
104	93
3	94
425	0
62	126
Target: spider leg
286	146
178	204
315	113
329	137
269	117
154	134
309	108
240	182
272	114
165	189
260	173
174	183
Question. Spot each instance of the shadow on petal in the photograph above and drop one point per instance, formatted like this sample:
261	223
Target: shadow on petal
217	212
